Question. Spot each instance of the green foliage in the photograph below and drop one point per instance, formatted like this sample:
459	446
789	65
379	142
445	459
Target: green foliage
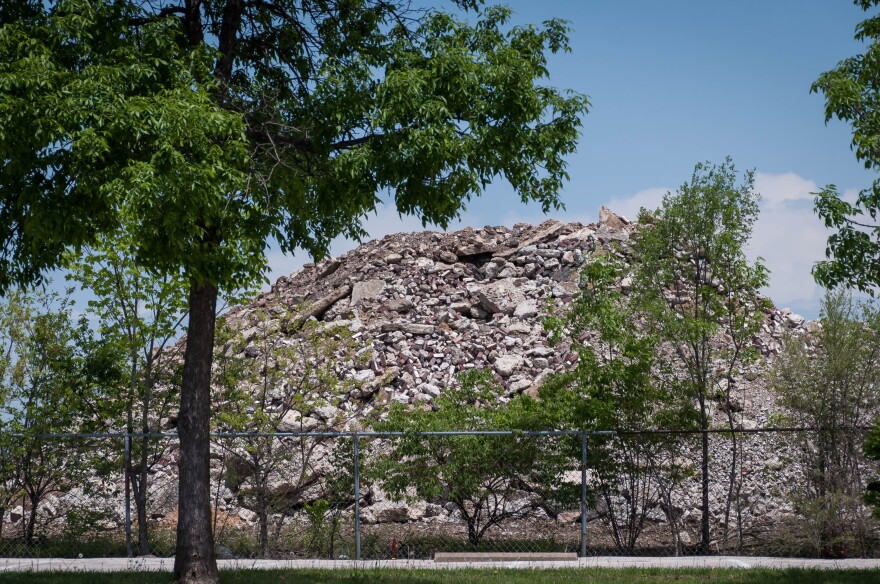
488	479
53	376
694	285
134	308
691	275
138	315
107	113
828	382
279	369
851	93
208	130
661	328
54	373
323	529
620	381
101	120
85	524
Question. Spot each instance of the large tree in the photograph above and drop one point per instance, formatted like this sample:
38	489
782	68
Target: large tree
215	125
698	288
852	94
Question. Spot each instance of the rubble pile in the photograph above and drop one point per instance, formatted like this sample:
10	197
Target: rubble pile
429	305
426	306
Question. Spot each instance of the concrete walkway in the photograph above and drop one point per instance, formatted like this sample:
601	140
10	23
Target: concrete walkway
166	564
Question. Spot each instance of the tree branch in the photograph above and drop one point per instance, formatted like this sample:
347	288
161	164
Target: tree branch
164	13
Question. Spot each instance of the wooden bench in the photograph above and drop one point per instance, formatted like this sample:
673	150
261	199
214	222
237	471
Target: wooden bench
505	557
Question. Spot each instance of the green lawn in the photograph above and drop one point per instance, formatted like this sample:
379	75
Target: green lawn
586	576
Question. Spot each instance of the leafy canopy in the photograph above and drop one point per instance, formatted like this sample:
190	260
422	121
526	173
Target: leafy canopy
488	478
619	380
852	96
692	296
100	121
291	128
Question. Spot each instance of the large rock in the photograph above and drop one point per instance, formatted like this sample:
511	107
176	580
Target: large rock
399	304
526	308
546	230
611	219
607	234
366	290
474	246
501	296
412	328
506	365
294	421
580	235
386	512
247	515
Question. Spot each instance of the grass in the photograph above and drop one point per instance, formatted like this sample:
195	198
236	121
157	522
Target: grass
485	576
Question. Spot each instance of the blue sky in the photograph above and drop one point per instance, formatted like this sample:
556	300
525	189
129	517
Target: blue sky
678	82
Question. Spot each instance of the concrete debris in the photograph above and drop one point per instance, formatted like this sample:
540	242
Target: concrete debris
427	306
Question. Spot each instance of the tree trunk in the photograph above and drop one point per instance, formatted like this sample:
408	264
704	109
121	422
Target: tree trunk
263	511
31	520
130	478
734	467
704	467
194	560
140	501
473	535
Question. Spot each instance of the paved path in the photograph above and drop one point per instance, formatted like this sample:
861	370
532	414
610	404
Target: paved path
166	564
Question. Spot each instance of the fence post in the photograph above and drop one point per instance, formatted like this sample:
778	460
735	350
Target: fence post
583	494
125	477
357	499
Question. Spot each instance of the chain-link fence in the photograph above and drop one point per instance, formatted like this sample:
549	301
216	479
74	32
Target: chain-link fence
791	492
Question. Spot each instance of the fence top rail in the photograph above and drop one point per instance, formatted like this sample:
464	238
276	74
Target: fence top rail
374	434
347	434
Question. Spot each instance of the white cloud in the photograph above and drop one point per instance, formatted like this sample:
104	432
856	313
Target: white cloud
790	239
778	189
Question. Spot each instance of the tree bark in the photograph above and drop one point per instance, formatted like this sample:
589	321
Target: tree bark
704	423
141	497
732	478
31	520
194	560
140	501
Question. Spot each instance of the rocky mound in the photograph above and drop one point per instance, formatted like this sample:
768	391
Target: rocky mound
426	306
430	305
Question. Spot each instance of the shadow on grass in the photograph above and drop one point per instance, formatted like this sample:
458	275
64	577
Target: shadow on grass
484	576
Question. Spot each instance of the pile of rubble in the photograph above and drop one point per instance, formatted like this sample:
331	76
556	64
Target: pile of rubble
429	305
426	306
